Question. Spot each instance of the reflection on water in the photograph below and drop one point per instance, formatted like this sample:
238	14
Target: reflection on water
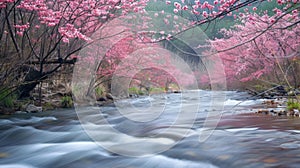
241	139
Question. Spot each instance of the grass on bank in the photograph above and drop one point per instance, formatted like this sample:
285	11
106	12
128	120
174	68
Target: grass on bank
7	98
136	91
293	105
152	90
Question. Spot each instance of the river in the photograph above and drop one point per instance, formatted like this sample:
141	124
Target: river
171	131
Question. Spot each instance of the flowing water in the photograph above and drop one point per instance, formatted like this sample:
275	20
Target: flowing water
178	124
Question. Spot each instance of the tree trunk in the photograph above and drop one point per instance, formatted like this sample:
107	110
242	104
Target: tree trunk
32	78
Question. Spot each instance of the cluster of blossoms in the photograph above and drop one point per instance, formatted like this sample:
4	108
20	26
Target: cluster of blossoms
21	28
3	3
73	18
207	9
219	7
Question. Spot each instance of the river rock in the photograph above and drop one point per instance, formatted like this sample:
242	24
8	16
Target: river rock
101	99
33	109
294	92
263	111
282	113
281	91
133	95
20	112
296	112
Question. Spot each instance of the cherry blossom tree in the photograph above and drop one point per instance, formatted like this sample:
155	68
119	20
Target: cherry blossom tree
263	45
39	36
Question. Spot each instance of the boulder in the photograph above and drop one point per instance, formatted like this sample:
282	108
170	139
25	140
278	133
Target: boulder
281	91
33	109
101	99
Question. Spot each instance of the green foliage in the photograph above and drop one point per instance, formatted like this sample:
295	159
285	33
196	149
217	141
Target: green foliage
7	98
152	90
291	105
48	106
99	91
157	90
66	102
136	91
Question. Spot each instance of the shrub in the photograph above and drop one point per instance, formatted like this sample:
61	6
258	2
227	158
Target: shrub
99	91
291	105
66	102
7	98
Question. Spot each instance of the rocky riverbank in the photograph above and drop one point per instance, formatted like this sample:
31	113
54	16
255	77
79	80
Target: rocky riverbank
277	101
279	107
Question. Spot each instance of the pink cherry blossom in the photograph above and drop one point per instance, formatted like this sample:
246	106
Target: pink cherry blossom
255	59
185	7
205	14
